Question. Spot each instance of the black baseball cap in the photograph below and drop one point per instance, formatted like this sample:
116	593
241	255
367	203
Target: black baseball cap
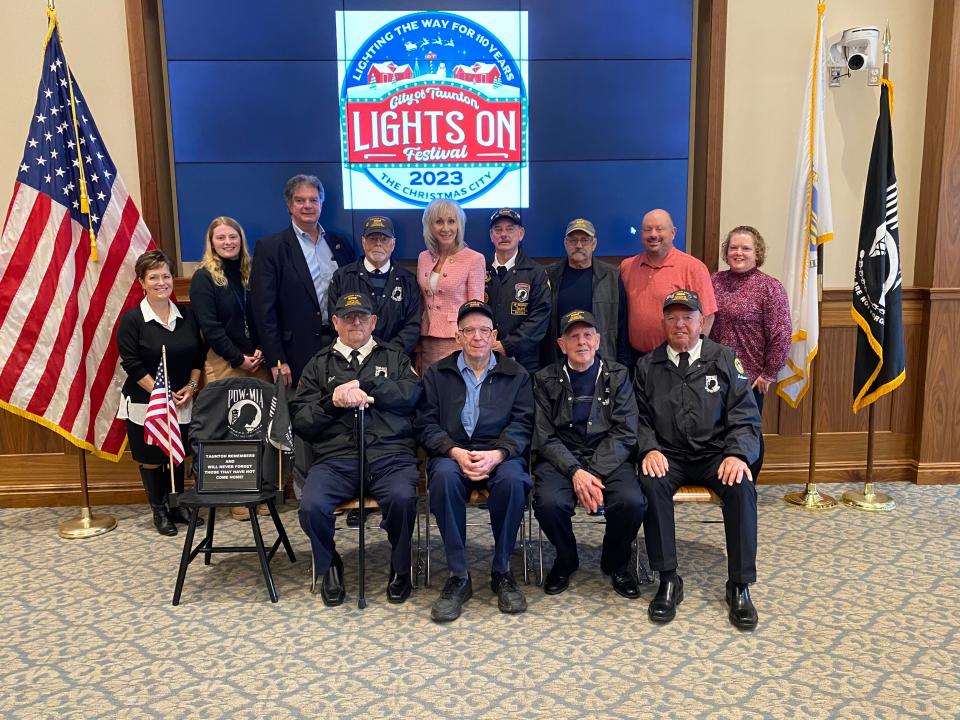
472	306
575	317
353	302
506	214
378	224
687	298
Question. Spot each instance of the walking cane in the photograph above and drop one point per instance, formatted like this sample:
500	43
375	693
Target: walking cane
362	474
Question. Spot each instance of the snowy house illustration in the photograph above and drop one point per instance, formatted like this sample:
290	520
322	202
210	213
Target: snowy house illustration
477	73
388	72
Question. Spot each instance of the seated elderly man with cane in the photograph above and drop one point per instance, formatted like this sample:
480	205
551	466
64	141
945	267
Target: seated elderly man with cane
699	425
358	371
584	442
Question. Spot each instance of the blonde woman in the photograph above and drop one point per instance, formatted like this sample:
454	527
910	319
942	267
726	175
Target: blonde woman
449	273
219	298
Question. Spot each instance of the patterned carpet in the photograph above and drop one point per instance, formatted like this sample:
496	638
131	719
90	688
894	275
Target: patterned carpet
859	618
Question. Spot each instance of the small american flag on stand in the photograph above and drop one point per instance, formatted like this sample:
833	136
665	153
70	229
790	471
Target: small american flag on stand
160	427
60	302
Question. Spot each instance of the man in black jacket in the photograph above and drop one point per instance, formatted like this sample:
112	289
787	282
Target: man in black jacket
343	376
394	289
475	423
581	282
289	279
584	442
699	425
518	292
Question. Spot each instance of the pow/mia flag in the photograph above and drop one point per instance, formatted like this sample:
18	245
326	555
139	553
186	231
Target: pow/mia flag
879	367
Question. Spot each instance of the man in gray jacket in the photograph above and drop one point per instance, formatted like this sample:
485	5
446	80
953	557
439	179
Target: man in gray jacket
581	282
584	441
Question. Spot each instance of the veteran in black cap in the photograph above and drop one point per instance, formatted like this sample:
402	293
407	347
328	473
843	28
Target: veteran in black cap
584	442
699	425
394	290
475	422
343	376
518	291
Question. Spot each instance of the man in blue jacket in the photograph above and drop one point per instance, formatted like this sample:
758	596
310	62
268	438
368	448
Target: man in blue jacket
289	280
475	421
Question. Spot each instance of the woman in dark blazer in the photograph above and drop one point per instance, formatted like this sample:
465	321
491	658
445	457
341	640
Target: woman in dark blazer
144	330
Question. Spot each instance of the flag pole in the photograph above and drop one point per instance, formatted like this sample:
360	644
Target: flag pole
168	392
869	499
810	498
87	525
282	490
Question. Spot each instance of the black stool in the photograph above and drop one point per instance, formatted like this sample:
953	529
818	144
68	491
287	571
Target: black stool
194	501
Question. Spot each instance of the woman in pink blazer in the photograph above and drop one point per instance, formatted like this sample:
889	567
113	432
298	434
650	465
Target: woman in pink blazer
449	274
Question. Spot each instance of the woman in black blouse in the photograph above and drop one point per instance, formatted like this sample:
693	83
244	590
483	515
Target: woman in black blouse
144	330
219	298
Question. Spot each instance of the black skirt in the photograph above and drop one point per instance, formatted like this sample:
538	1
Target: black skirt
151	454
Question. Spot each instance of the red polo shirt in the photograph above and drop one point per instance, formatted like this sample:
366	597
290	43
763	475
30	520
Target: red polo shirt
647	285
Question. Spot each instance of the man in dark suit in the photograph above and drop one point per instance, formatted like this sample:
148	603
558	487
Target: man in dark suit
289	280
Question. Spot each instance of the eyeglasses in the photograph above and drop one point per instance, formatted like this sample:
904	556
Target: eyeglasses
355	318
483	332
378	239
578	240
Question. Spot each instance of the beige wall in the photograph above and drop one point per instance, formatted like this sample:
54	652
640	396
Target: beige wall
95	43
769	44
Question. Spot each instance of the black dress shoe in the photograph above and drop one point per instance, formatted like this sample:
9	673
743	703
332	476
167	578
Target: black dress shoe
331	589
162	522
178	517
399	588
742	612
663	608
353	516
556	581
625	585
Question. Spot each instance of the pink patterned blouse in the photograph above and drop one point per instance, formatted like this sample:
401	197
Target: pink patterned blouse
753	318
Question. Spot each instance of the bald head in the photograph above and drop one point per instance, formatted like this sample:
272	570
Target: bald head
657	233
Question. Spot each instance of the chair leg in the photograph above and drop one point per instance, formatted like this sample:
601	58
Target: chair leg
261	553
185	557
426	522
540	544
415	555
281	532
643	575
211	522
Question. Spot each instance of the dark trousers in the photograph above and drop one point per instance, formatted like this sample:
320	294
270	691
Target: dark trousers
554	502
755	468
508	486
393	483
739	515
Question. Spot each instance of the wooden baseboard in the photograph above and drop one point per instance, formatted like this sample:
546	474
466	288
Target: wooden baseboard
936	473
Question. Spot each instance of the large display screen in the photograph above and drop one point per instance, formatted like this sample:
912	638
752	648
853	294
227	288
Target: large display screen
558	108
433	105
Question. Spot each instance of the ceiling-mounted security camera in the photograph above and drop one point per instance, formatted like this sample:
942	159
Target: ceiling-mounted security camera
854	49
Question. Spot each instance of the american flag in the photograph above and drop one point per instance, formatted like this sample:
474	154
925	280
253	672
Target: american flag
160	427
60	306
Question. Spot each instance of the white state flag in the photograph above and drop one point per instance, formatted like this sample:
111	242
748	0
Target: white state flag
810	223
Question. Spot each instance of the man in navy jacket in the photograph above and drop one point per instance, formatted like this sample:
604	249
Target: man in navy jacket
475	422
289	281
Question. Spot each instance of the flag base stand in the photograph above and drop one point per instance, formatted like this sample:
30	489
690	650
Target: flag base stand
810	499
87	525
868	500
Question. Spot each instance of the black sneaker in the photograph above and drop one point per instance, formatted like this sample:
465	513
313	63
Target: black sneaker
509	597
455	593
